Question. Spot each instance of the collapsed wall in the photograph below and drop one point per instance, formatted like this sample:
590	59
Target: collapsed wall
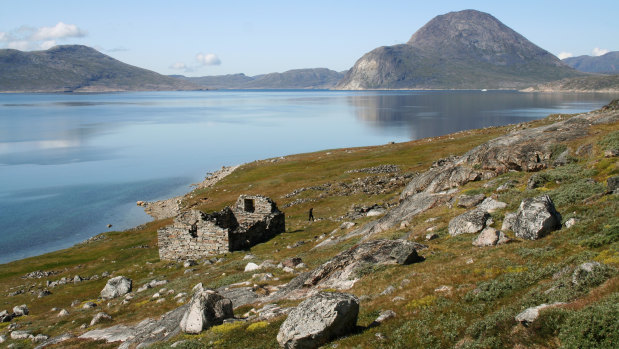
194	234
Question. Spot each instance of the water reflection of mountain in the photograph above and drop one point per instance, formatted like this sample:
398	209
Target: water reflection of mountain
433	113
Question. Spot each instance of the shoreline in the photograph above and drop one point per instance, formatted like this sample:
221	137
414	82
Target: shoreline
166	208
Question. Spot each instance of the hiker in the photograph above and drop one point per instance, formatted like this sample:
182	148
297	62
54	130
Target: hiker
311	214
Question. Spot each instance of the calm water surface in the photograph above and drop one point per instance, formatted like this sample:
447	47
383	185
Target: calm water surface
70	164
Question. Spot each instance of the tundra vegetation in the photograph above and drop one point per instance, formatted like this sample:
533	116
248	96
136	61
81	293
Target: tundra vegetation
459	295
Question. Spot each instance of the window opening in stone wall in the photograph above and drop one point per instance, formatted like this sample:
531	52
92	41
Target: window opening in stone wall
193	231
249	205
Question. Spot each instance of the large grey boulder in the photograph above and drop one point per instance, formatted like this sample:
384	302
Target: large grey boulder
536	218
116	287
469	222
206	309
318	319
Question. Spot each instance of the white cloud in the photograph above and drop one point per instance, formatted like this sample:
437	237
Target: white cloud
208	59
59	31
564	55
599	51
47	44
28	38
178	65
21	45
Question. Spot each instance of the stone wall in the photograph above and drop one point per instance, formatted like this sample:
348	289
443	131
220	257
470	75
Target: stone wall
195	234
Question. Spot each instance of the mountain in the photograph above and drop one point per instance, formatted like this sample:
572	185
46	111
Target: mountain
77	68
604	64
460	50
317	78
593	83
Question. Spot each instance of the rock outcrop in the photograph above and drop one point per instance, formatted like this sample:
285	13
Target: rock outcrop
521	150
116	287
536	218
206	309
318	319
343	271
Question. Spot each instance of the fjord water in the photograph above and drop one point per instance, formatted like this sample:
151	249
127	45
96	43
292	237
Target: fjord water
72	163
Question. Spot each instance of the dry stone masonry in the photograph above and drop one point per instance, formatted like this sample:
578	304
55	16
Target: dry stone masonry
194	234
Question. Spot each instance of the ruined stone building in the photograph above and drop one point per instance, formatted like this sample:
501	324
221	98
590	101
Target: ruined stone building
194	234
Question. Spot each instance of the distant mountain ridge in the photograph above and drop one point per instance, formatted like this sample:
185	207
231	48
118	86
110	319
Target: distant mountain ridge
458	50
605	64
316	78
77	68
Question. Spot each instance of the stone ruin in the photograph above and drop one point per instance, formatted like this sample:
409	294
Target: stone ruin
194	234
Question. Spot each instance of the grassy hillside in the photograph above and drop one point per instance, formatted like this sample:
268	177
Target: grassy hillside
460	296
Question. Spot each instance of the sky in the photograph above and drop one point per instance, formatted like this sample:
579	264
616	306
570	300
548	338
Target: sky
199	38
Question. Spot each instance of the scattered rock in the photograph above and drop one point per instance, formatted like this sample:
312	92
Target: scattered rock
491	205
251	267
570	222
77	279
249	256
54	340
375	212
292	262
490	237
189	263
44	293
611	153
63	312
99	317
116	287
206	308
5	316
506	186
469	222
2	339
347	225
444	288
613	184
468	201
271	311
39	338
20	310
318	319
384	315
397	299
17	335
389	290
529	315
585	271
536	218
431	236
89	305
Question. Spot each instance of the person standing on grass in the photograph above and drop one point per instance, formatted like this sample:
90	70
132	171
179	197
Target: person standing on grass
311	214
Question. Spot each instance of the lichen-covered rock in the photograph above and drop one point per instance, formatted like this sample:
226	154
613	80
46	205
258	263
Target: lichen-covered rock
469	222
490	237
468	201
490	205
116	287
318	319
508	221
206	308
536	218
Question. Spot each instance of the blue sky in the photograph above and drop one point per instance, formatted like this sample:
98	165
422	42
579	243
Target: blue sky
198	38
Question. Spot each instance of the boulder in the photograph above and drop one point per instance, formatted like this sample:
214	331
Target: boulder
469	222
491	205
508	221
385	315
20	310
17	335
116	287
206	309
101	316
536	218
468	201
5	316
490	237
251	267
318	319
63	312
529	315
292	262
